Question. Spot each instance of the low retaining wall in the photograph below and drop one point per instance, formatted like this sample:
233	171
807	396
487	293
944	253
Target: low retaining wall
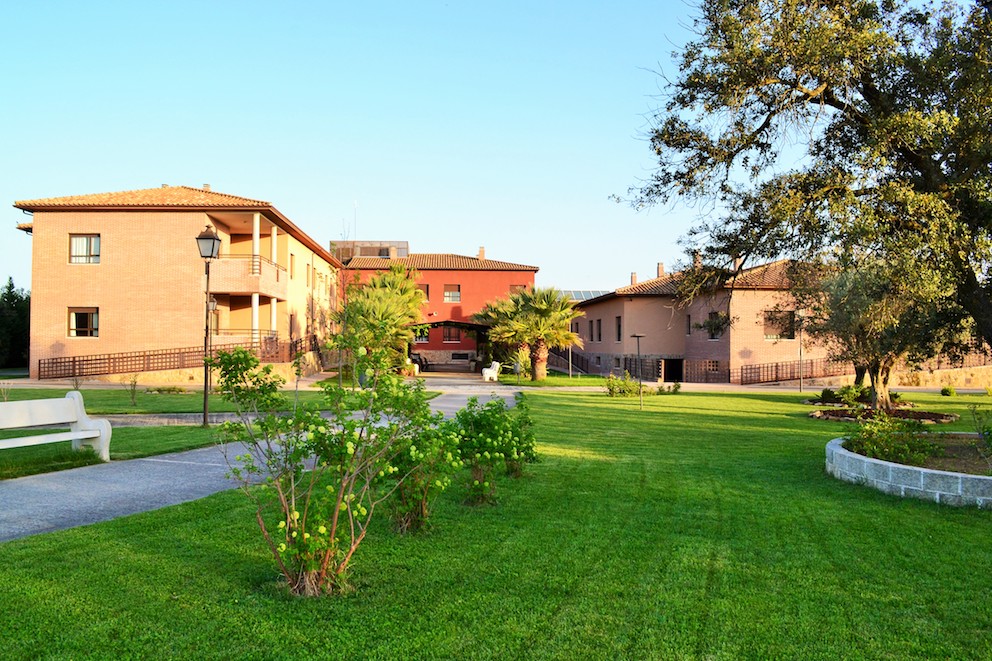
957	489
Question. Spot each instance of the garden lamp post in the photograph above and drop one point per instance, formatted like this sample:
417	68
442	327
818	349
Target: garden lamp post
209	245
799	322
640	386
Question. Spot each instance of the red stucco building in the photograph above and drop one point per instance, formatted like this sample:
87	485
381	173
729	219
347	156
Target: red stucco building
456	287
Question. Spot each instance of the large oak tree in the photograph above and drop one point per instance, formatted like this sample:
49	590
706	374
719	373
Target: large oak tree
837	127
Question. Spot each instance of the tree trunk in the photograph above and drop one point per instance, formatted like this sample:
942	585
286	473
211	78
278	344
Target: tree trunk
538	361
859	375
879	372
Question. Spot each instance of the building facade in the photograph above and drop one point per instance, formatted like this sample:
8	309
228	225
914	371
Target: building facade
750	321
120	272
455	288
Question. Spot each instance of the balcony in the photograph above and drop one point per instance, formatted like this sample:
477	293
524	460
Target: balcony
248	274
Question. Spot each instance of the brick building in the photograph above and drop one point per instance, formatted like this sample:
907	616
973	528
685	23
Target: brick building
455	288
747	322
120	272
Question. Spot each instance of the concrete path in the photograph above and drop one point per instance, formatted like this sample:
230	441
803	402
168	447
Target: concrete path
80	496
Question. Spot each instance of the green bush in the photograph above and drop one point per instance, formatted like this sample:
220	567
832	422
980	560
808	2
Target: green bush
948	391
166	390
624	386
492	434
892	439
672	389
854	396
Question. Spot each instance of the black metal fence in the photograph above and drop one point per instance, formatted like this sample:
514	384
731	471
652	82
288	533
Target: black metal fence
794	370
268	350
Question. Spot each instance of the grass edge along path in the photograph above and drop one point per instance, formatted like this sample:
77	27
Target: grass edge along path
703	526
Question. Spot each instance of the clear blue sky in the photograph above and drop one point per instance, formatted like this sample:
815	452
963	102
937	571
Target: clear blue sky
451	125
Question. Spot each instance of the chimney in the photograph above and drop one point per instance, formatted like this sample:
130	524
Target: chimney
661	269
482	253
392	252
633	277
165	185
206	187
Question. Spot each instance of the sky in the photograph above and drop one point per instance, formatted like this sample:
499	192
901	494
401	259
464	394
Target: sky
450	125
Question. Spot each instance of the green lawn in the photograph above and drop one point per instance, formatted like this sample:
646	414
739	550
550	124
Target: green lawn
125	443
554	379
702	527
109	401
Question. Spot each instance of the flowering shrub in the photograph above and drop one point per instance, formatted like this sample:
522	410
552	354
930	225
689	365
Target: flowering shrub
317	482
492	434
424	466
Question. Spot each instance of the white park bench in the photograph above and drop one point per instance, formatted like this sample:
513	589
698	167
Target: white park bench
491	373
32	413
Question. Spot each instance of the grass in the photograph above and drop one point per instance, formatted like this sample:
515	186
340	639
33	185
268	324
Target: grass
125	443
702	527
111	401
554	380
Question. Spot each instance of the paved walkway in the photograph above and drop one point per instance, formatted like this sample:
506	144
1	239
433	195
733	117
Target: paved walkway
80	496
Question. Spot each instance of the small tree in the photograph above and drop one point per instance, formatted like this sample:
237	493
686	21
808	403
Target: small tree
316	482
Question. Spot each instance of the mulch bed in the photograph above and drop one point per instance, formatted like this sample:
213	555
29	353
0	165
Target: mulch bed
959	455
851	415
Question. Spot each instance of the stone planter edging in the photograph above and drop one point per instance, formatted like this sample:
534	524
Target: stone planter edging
956	489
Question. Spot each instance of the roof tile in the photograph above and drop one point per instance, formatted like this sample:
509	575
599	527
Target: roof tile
435	262
164	196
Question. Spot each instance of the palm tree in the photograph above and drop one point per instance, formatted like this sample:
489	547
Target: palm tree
539	319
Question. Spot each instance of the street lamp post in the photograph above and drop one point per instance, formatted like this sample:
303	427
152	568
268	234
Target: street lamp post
799	322
208	243
640	385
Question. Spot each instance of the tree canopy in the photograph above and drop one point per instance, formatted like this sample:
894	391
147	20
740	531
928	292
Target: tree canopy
15	321
837	127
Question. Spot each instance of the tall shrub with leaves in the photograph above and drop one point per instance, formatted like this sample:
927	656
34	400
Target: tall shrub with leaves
492	435
426	465
316	483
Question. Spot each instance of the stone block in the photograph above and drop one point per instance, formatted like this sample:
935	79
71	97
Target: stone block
919	493
957	501
876	470
944	482
976	486
907	476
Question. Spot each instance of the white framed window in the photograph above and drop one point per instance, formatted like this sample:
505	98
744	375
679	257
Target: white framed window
422	335
452	293
84	248
427	292
84	322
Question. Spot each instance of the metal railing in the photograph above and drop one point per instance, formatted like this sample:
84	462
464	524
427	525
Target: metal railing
579	362
268	350
789	371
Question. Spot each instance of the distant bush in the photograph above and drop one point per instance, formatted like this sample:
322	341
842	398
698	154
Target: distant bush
672	389
948	391
166	390
624	386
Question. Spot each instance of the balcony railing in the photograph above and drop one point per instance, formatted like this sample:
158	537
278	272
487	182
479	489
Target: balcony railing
248	274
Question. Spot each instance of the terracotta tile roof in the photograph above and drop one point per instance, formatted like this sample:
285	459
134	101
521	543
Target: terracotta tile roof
164	196
666	285
774	275
435	262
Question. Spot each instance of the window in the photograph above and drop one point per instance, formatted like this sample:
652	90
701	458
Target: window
452	334
715	325
590	330
619	329
422	335
780	325
517	288
292	266
84	248
599	330
84	322
616	362
711	365
452	293
688	324
427	291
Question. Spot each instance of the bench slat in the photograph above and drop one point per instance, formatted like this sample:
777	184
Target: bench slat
41	439
37	412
